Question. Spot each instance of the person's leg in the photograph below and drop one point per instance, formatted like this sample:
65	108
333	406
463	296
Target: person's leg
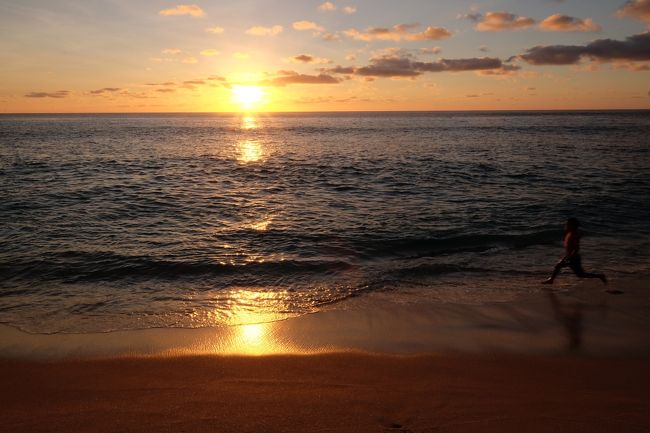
576	267
556	271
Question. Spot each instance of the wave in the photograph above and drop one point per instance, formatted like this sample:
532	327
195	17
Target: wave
423	247
74	267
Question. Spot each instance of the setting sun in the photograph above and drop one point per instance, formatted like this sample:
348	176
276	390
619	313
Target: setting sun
247	96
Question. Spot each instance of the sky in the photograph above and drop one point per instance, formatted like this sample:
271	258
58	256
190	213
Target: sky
339	55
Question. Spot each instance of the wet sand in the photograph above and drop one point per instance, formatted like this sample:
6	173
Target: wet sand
574	361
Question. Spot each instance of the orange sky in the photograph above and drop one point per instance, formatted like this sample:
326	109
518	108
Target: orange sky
161	56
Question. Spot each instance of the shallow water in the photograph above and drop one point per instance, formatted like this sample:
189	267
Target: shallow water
137	221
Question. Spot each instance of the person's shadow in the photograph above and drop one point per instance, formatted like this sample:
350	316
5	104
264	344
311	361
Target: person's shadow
570	314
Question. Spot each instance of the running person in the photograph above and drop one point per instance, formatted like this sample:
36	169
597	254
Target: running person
572	256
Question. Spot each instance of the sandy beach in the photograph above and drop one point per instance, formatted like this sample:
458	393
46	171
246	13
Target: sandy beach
559	361
327	393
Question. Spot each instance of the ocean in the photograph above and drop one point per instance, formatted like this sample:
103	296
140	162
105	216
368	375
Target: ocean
131	221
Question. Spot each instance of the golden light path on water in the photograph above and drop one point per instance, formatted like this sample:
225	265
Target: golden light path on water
251	311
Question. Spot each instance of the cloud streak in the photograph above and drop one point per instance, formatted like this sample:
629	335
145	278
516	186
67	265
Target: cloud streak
500	21
405	67
398	32
284	78
192	10
265	31
565	23
56	95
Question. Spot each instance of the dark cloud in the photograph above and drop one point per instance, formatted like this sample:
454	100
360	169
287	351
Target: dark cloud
405	67
58	94
633	48
105	90
284	78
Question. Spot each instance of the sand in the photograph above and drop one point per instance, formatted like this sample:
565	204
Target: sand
575	361
327	393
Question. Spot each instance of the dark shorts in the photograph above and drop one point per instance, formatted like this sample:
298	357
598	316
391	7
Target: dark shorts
575	263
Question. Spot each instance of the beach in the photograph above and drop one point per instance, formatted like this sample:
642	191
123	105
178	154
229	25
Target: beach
559	361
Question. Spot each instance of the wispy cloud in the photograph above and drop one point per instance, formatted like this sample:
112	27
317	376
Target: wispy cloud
57	95
215	30
240	55
637	9
398	32
307	58
210	52
327	7
499	21
284	78
565	23
105	90
349	9
265	31
307	25
172	51
192	10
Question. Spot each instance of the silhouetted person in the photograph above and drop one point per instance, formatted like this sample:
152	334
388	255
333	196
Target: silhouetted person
571	254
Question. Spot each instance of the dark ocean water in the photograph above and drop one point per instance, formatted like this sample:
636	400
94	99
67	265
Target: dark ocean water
135	221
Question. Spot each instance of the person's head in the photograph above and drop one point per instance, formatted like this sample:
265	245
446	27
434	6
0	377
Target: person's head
571	225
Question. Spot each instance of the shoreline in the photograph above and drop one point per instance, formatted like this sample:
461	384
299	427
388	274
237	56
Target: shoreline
584	320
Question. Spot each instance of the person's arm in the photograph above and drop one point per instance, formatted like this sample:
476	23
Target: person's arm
570	246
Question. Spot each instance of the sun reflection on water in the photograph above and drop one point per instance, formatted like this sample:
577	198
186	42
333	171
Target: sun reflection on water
252	314
249	151
249	122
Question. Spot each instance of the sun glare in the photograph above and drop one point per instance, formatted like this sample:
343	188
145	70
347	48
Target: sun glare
247	96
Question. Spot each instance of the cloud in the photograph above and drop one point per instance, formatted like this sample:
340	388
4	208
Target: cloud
241	56
327	7
390	66
398	32
633	48
192	10
264	31
215	30
637	9
209	52
172	51
105	90
565	23
167	83
307	25
431	50
500	21
351	57
57	95
307	58
291	77
190	60
165	90
349	9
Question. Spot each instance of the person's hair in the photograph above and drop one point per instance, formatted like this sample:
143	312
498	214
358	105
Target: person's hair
572	224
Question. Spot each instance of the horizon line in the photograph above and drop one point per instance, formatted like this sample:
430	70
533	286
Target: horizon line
549	110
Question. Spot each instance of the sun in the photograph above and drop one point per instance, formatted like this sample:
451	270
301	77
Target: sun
247	96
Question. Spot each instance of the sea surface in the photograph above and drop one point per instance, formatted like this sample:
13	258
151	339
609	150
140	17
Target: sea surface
112	222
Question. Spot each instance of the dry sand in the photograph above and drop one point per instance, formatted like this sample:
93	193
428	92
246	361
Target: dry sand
323	393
